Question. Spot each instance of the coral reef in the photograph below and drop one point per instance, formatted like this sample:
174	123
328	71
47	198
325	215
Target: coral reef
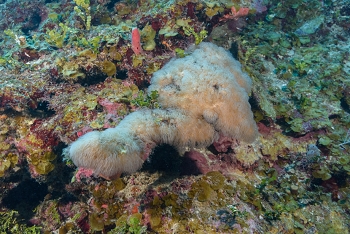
198	100
68	70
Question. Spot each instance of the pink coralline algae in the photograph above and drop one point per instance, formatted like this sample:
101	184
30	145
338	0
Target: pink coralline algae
223	144
243	11
84	130
83	172
110	107
196	163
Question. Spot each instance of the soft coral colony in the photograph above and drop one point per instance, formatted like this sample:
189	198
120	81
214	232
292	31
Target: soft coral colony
202	96
221	116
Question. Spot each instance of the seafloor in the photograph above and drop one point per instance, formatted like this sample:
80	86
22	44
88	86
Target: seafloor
69	67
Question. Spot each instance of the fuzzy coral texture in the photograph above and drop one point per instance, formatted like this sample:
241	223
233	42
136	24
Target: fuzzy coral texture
203	96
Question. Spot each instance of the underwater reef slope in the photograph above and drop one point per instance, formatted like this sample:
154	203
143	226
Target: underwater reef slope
221	116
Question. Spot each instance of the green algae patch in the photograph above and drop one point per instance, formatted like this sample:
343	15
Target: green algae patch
43	163
9	223
202	191
108	68
207	188
7	162
215	179
118	184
